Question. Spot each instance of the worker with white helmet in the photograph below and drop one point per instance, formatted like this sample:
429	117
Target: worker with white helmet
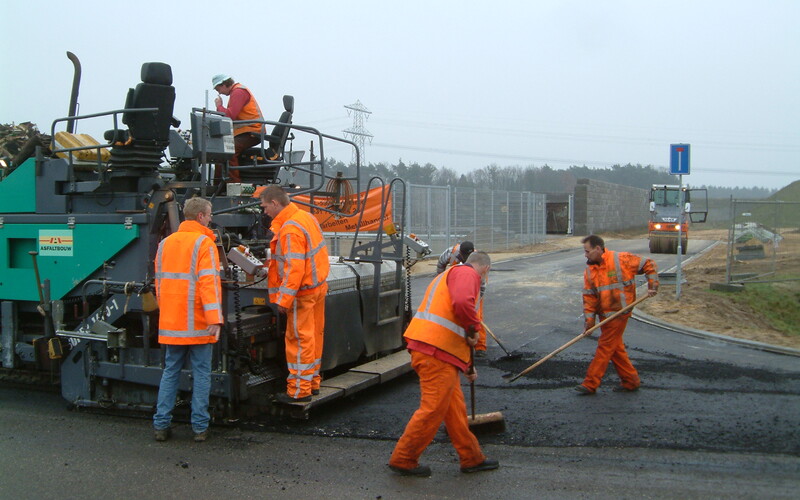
242	106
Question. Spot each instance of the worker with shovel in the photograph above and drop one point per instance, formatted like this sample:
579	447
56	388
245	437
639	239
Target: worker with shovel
609	286
440	338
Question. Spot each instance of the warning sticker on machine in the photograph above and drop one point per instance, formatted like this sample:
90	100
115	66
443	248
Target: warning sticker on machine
54	243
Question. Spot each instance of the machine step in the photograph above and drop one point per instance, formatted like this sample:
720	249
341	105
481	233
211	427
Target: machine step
355	380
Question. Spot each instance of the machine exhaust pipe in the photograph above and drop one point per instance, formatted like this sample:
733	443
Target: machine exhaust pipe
76	84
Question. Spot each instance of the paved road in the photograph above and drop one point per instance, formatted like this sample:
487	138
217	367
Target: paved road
712	420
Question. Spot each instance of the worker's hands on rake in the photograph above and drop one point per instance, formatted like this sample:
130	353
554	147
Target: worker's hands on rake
471	336
588	324
471	374
651	292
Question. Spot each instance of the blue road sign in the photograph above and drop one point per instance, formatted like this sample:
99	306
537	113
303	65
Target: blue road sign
679	159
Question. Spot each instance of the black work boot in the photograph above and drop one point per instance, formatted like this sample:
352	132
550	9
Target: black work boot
418	471
485	465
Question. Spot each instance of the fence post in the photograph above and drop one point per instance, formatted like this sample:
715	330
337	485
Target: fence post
447	214
508	214
491	220
409	199
475	216
731	232
428	212
521	213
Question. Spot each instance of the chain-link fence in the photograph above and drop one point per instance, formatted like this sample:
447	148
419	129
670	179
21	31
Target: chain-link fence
763	241
493	220
442	216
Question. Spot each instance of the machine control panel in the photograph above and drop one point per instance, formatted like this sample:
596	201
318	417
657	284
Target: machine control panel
242	257
212	132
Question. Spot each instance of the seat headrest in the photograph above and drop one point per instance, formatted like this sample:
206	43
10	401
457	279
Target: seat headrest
157	73
288	103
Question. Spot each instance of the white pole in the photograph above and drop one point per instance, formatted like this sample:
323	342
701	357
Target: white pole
680	231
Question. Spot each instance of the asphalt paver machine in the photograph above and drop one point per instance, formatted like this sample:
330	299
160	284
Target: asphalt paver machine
80	225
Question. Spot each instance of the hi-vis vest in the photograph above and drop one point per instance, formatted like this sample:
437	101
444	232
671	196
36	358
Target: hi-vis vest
610	285
435	322
454	255
188	286
299	256
250	111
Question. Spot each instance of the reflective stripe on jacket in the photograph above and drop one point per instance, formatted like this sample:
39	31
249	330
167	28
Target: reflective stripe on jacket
299	256
250	111
610	285
448	258
188	285
435	322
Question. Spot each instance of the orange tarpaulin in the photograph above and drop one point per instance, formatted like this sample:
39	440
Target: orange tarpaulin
371	220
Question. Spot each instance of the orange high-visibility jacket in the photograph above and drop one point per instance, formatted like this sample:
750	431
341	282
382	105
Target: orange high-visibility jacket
250	111
299	256
435	322
188	285
610	285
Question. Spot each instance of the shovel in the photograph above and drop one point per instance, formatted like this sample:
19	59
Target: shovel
582	335
508	354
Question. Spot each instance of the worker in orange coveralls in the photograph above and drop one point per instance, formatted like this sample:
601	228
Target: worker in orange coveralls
440	338
297	285
609	286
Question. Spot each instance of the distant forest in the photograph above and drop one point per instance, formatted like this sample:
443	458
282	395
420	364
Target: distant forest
543	179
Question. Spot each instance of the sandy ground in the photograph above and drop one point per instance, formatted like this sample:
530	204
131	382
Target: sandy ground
717	312
700	307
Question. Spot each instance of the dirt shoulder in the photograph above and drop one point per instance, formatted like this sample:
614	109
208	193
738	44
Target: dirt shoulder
699	307
717	312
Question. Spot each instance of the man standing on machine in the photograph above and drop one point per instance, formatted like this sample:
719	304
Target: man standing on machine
297	284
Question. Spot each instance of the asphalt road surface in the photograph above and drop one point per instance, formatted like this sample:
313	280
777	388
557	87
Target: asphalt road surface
712	420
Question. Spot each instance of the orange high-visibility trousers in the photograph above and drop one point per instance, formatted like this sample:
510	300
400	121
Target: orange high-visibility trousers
611	348
319	333
302	336
441	400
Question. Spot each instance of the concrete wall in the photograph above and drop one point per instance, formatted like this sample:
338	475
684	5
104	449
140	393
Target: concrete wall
602	206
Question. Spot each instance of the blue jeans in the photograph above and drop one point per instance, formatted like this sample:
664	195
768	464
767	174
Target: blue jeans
200	356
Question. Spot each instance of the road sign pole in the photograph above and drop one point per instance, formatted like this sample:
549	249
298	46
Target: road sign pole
678	153
680	230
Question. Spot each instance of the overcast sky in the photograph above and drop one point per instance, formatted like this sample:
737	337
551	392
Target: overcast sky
459	84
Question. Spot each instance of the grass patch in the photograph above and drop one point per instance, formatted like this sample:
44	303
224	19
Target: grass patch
778	303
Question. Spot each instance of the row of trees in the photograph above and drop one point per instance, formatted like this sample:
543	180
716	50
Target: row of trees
544	179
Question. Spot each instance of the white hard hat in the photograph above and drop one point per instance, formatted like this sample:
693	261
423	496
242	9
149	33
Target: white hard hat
218	79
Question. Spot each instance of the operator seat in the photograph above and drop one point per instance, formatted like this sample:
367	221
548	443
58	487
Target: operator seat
143	144
261	165
155	91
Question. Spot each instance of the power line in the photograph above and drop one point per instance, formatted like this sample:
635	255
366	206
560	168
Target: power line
586	137
563	161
